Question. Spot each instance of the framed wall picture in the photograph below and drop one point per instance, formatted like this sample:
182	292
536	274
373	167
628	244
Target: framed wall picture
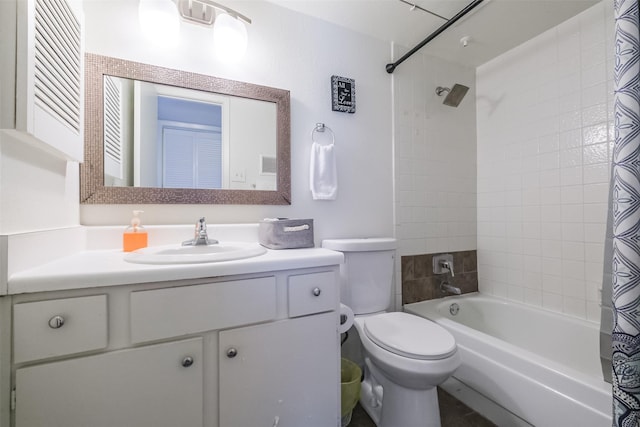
343	94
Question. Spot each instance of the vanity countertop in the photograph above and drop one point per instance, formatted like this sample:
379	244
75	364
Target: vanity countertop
98	268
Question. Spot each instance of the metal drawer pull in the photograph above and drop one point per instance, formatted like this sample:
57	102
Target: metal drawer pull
187	361
317	292
232	352
56	322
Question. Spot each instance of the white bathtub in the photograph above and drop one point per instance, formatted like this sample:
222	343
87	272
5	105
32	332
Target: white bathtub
520	360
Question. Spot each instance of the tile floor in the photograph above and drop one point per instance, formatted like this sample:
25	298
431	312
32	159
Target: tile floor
453	413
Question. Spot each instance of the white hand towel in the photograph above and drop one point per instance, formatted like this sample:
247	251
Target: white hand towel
323	176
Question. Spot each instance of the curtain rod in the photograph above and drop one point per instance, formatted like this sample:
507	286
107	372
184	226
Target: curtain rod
391	67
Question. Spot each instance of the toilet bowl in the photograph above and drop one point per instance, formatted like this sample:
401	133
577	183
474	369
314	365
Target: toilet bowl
405	356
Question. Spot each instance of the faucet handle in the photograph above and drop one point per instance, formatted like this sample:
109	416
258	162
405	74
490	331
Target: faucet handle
446	265
443	264
201	225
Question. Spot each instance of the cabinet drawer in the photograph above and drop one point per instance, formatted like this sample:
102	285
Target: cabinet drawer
39	332
312	293
183	310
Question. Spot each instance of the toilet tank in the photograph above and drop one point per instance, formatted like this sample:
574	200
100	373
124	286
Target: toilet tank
366	277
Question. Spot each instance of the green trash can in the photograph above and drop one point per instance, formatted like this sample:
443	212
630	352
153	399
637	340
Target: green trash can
350	375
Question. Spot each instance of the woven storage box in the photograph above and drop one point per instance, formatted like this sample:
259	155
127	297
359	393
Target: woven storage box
286	233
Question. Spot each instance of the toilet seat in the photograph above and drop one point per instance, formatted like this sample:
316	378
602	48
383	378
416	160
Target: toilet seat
410	336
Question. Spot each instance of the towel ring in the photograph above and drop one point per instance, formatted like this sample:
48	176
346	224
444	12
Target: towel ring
320	127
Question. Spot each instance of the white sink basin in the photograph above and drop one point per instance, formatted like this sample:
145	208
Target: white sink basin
175	254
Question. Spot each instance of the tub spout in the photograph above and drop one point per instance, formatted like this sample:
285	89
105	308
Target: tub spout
445	287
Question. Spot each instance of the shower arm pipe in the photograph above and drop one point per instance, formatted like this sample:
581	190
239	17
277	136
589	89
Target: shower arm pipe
392	66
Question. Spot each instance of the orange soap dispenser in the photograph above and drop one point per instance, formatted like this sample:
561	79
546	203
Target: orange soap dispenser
135	236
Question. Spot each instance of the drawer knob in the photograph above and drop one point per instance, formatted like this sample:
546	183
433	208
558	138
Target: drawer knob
232	352
56	322
187	361
317	292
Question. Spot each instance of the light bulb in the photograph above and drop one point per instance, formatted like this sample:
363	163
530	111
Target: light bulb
159	21
229	38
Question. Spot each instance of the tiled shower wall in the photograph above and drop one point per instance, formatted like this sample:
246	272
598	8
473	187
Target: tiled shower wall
545	134
435	160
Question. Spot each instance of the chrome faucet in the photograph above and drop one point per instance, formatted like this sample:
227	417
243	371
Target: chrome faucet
445	287
200	237
447	266
443	264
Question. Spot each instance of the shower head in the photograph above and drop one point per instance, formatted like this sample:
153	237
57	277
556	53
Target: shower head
455	95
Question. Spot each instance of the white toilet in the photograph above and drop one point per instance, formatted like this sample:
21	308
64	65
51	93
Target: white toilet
405	356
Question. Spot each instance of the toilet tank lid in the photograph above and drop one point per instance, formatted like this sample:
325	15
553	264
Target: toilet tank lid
361	245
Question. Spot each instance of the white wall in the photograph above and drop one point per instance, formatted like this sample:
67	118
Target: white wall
289	51
435	160
38	191
545	133
251	141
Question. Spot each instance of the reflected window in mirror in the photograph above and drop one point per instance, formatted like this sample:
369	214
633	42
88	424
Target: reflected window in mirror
188	146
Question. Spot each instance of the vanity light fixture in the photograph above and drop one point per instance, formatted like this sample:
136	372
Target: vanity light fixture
159	21
229	31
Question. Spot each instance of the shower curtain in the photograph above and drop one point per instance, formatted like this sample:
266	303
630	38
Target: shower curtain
626	219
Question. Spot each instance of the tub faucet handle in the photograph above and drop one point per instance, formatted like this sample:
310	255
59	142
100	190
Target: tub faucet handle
447	265
443	264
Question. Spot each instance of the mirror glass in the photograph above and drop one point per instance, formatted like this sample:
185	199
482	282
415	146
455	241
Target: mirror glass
167	137
156	135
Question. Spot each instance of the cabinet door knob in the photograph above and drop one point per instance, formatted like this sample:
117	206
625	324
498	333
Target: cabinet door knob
232	352
56	322
187	361
317	292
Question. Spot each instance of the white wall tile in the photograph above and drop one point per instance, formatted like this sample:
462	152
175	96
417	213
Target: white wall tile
573	231
596	193
553	193
571	138
572	213
533	296
575	307
596	173
594	134
572	194
552	301
593	311
593	252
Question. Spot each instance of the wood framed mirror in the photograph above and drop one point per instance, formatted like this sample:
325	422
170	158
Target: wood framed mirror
157	135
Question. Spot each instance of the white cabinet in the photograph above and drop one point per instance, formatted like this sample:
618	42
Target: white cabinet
239	351
43	101
311	293
280	374
153	386
160	313
59	327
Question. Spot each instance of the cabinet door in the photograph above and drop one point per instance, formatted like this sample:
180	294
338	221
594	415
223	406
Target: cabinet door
283	374
150	386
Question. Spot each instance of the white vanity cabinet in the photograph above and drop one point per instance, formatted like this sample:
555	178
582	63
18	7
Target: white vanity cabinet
153	386
236	351
281	373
